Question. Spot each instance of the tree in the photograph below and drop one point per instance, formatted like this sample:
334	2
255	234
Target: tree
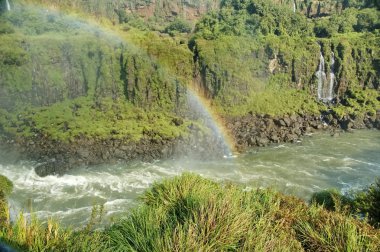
178	25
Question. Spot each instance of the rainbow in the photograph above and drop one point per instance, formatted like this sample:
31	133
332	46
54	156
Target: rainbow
196	100
212	120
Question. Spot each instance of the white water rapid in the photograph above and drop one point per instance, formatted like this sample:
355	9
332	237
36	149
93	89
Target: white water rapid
350	161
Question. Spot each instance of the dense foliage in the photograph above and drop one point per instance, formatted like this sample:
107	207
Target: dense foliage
190	213
6	187
65	78
252	18
248	56
365	203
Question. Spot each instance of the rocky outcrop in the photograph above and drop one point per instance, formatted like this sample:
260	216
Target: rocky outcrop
58	157
261	130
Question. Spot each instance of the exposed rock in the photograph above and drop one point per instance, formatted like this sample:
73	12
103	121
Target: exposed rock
52	167
248	131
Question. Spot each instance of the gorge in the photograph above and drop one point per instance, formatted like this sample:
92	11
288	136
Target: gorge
102	100
299	169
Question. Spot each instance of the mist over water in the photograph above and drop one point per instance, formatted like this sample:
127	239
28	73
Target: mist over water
197	107
348	162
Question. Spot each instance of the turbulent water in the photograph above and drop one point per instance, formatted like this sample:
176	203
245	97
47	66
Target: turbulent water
350	161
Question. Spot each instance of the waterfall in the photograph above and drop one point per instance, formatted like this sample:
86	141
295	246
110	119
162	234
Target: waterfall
321	75
332	77
8	5
294	6
325	86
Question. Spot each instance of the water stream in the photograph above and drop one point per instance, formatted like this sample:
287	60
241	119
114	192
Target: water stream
8	5
350	161
326	86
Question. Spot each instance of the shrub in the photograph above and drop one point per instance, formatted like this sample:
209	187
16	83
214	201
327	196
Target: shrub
367	202
331	199
6	186
178	25
189	213
5	28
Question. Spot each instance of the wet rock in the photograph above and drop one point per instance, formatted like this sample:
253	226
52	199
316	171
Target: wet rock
280	122
262	141
287	121
52	167
83	153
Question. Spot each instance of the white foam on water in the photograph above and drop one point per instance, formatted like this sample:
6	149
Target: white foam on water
299	170
352	160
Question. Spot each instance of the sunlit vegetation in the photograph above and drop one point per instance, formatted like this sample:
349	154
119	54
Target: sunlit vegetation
64	78
82	118
365	203
190	213
246	57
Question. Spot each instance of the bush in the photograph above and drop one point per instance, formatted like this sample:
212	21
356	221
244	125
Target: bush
6	187
331	199
5	28
178	25
368	20
367	203
190	213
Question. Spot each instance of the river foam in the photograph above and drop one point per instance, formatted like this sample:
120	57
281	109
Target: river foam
348	162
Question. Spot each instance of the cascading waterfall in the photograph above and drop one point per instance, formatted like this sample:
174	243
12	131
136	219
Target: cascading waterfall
332	76
321	75
325	86
8	5
294	6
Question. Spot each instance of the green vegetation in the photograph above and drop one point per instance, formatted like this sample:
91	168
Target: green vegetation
250	56
357	103
6	187
365	202
252	18
64	79
81	117
178	26
368	203
190	213
62	84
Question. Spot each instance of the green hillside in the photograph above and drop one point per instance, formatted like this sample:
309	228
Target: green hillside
70	72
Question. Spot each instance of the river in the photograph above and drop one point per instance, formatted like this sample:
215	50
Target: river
348	162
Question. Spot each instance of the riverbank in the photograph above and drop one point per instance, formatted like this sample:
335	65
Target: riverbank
260	130
316	162
58	157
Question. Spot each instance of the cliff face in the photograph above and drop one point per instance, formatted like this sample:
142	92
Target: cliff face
232	70
158	10
120	91
166	9
56	69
